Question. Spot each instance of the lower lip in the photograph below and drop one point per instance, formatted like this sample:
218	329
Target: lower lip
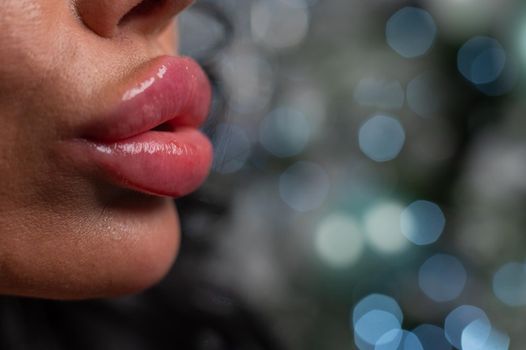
156	162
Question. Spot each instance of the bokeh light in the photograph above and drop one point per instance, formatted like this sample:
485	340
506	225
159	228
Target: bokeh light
411	32
477	336
382	227
371	329
432	337
231	148
481	60
381	138
509	284
497	340
422	222
334	117
206	34
339	241
460	318
377	302
247	78
442	277
279	24
284	132
304	186
398	339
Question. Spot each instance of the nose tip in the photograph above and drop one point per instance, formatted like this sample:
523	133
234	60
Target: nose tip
106	18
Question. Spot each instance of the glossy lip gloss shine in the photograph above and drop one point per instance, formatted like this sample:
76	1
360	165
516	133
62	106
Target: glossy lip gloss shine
150	142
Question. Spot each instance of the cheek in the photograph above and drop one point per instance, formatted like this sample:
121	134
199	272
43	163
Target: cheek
26	42
32	47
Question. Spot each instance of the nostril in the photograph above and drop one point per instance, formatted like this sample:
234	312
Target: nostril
109	18
143	9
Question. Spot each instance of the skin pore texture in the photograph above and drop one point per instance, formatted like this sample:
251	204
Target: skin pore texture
65	233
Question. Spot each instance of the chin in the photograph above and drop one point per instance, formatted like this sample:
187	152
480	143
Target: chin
127	247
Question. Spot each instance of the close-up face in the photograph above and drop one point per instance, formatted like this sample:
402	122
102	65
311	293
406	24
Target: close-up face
262	174
99	130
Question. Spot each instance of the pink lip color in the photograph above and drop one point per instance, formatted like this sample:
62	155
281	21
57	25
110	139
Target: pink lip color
176	94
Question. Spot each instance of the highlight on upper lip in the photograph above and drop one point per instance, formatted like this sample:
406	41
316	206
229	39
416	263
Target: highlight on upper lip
131	93
171	90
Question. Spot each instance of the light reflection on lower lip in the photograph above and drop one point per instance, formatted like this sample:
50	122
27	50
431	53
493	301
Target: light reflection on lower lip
161	163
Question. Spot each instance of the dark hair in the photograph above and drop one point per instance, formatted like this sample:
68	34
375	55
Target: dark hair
183	312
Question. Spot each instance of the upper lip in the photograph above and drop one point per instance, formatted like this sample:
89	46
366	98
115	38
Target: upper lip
170	91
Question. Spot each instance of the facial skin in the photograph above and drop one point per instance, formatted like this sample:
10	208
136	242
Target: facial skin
63	233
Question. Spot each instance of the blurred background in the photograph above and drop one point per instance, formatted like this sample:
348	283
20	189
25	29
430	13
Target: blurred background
368	188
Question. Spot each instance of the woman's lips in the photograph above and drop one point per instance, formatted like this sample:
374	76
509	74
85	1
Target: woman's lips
162	163
174	90
150	142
